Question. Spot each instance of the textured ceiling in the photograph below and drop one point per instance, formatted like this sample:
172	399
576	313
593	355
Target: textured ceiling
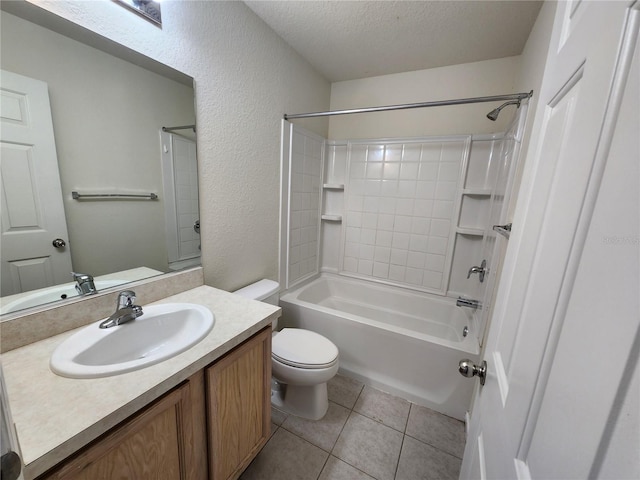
345	40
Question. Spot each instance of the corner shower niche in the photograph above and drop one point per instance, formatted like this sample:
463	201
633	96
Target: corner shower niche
409	212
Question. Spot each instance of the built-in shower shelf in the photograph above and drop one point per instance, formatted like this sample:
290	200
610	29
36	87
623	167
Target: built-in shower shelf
333	186
332	218
481	192
470	231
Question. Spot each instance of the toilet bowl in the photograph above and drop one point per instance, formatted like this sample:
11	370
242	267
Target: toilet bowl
302	362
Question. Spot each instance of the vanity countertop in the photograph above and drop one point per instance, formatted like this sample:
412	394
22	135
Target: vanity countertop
56	416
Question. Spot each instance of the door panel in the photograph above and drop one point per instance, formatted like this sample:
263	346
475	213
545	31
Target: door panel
19	185
606	334
563	303
31	196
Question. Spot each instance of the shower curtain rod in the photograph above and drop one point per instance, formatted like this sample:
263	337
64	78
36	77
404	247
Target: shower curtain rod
439	103
182	127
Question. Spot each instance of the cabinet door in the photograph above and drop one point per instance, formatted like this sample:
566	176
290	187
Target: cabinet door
239	401
160	443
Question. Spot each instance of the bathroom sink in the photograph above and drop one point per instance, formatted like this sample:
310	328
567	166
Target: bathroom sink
52	294
162	332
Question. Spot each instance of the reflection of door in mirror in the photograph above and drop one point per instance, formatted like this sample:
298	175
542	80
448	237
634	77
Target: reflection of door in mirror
107	104
180	182
32	210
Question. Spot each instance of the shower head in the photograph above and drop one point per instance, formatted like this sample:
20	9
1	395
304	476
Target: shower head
493	114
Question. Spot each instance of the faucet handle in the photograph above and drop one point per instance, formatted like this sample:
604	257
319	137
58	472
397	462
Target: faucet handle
81	277
481	271
84	283
126	298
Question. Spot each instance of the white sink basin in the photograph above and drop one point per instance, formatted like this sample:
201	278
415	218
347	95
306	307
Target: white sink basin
52	294
162	332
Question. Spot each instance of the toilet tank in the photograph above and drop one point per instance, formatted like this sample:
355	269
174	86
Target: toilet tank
264	291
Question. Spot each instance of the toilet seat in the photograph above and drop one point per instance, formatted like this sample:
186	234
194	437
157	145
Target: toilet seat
304	349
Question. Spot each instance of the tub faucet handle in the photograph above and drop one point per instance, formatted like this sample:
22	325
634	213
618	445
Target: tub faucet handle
481	271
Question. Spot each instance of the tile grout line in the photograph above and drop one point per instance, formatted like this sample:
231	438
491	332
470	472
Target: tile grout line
345	423
351	410
403	432
395	472
330	452
433	446
404	437
338	437
323	465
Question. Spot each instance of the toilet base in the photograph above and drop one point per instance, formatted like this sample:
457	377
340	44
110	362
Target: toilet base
309	402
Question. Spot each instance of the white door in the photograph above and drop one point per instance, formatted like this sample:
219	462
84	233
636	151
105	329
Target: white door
561	392
180	183
32	209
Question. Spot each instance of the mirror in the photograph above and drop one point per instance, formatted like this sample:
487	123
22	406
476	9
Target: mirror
108	107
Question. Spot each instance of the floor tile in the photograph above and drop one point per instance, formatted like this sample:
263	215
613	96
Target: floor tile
336	469
419	461
369	446
344	390
286	456
431	427
277	416
383	407
322	433
274	427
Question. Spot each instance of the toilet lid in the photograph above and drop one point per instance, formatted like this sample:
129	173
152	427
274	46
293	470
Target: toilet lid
303	349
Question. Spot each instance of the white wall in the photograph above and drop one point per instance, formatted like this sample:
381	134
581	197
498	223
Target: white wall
246	78
479	79
107	114
529	76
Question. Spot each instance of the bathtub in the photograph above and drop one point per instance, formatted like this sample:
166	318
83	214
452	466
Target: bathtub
403	342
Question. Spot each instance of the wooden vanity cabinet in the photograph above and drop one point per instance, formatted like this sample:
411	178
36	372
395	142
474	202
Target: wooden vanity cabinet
210	426
239	406
165	440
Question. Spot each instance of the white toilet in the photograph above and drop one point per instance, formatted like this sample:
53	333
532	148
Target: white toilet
302	361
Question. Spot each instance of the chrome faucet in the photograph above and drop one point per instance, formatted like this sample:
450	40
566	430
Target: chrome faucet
84	283
125	311
481	271
468	302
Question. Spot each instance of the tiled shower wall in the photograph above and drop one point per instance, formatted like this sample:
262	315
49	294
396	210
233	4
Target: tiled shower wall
304	207
401	202
408	212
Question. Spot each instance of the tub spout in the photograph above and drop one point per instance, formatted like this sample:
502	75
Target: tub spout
468	302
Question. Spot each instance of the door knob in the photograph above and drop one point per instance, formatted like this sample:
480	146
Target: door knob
469	369
196	226
59	243
10	466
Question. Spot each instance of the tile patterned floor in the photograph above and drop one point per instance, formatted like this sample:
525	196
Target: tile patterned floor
366	434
